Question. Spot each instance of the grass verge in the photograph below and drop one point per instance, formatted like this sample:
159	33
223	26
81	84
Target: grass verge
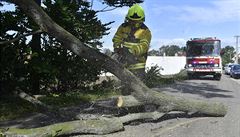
13	107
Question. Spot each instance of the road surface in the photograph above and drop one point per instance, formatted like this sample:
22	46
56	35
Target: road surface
226	91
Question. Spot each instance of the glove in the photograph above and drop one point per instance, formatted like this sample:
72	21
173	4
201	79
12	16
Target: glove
132	47
117	50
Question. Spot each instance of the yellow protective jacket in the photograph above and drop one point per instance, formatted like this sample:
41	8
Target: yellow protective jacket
134	38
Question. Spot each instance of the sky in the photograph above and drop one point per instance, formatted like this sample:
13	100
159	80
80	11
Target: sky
176	21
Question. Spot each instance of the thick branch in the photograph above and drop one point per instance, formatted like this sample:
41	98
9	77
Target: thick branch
31	99
42	107
93	126
138	116
167	104
103	126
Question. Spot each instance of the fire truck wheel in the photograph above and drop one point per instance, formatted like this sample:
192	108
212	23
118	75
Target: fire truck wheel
217	77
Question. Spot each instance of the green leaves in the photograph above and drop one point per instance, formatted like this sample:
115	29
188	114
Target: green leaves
228	55
167	50
55	68
153	77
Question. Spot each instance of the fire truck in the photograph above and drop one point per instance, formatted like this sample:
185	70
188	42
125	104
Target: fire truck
203	57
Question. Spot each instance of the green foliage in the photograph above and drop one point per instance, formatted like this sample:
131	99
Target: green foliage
14	56
153	77
14	66
76	97
228	55
55	68
153	52
12	107
167	50
79	19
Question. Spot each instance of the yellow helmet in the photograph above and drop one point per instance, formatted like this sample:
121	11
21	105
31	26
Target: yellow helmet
136	12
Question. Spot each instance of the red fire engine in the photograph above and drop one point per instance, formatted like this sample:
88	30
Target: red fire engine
203	57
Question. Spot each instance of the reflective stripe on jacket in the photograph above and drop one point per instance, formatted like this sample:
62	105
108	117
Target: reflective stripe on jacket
138	37
137	66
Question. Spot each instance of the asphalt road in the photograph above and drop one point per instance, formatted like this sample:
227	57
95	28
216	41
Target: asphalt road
226	91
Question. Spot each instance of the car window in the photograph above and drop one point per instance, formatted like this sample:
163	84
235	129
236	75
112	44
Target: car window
237	67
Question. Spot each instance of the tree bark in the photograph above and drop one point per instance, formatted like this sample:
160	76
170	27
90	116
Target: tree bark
42	107
169	104
100	126
35	45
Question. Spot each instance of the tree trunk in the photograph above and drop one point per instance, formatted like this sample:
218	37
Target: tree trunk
100	126
36	48
103	126
169	103
42	107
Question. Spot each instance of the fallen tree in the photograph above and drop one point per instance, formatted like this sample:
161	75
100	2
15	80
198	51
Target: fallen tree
98	125
141	94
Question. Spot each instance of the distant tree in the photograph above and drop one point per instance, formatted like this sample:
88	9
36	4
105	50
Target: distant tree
182	51
153	52
169	50
228	54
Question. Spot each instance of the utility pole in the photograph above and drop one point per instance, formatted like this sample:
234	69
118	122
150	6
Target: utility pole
236	59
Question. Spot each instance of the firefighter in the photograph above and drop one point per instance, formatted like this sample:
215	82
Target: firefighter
131	41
